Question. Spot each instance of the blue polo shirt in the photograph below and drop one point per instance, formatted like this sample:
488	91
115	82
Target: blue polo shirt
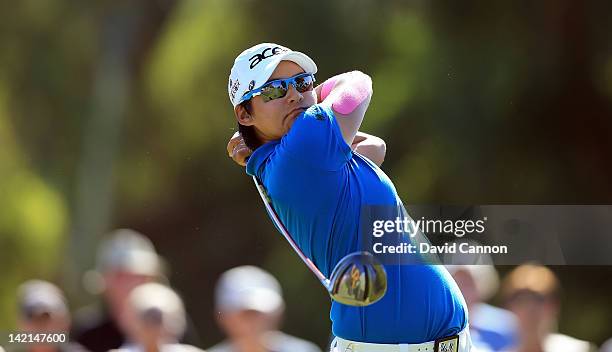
319	187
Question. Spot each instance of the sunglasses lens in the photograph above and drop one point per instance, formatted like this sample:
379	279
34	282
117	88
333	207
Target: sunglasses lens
274	90
278	89
303	84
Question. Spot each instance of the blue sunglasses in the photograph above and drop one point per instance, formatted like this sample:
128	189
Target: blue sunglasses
279	87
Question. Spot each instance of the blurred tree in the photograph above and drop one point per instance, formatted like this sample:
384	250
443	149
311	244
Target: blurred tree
32	221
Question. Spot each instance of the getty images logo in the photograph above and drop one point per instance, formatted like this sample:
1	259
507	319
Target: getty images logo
266	53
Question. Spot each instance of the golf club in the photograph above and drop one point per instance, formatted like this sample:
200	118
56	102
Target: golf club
358	279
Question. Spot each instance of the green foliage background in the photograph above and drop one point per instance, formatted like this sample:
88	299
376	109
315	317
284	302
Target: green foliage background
116	114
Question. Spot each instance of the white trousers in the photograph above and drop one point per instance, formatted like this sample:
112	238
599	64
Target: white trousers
458	343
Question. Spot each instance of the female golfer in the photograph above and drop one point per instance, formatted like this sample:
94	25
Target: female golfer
303	144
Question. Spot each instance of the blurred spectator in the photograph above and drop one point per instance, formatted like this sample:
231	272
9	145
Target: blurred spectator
125	260
249	307
532	293
492	328
606	346
154	321
43	309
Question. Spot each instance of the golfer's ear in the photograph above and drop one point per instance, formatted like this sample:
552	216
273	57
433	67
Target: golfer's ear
243	116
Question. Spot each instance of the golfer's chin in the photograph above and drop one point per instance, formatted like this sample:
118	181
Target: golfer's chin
285	131
289	122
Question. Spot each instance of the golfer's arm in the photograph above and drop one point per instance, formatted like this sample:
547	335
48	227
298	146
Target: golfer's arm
370	146
348	95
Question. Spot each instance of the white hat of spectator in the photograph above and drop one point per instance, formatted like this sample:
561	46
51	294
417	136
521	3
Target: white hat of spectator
37	297
479	266
156	304
248	288
130	251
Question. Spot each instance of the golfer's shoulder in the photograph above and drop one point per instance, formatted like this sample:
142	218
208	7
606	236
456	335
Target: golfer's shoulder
316	114
314	141
317	124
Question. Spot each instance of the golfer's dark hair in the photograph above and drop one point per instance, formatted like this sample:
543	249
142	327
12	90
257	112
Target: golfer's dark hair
248	132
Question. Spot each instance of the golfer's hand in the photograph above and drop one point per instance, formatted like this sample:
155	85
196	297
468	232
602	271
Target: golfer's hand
237	149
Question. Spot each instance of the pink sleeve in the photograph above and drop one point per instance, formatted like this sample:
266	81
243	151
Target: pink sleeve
327	87
357	89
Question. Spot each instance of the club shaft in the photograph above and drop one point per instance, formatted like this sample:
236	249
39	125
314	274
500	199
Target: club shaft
285	233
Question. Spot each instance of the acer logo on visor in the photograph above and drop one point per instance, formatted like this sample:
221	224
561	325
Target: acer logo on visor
266	53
